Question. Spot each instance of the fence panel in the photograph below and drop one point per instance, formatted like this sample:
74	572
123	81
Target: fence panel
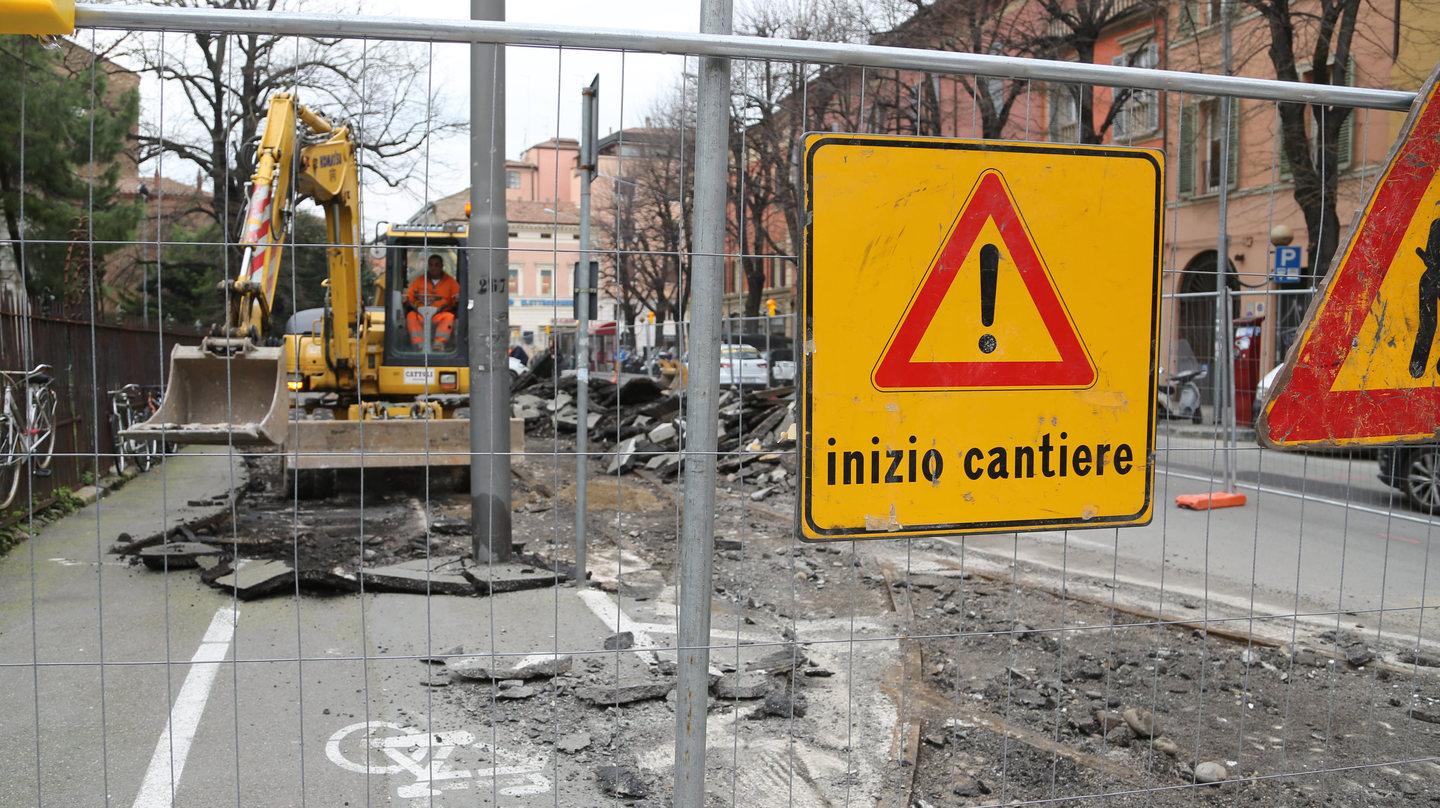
357	618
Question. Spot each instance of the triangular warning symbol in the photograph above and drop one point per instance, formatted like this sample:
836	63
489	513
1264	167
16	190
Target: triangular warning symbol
899	369
1366	369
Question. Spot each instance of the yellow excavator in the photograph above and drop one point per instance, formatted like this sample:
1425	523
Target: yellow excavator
344	391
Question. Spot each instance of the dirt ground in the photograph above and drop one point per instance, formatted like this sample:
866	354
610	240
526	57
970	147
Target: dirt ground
1003	691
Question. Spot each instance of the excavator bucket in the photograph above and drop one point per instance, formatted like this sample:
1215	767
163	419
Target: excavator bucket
234	397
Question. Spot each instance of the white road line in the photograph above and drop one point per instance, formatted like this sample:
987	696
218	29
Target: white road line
608	610
162	778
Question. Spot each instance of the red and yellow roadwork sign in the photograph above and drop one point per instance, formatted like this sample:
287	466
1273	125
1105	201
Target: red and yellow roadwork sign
980	323
1366	369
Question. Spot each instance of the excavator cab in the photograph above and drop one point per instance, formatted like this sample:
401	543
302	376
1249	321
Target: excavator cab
426	272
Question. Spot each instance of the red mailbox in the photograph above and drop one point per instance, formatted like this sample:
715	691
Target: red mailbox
1247	367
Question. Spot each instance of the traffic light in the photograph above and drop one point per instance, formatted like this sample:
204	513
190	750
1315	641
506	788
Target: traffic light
770	307
650	316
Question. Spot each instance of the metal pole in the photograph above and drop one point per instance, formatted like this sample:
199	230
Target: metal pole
769	355
488	320
589	101
697	537
850	54
1225	372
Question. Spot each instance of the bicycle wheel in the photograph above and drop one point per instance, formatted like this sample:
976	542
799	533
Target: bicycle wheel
144	453
10	448
42	425
117	423
9	483
9	462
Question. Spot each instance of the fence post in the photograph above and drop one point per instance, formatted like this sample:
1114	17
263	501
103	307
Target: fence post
488	321
590	97
697	538
1225	367
769	357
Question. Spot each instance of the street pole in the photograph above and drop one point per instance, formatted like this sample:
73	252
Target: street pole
488	319
1225	373
589	103
697	536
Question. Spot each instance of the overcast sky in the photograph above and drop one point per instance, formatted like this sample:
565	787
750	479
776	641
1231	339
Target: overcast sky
541	84
540	81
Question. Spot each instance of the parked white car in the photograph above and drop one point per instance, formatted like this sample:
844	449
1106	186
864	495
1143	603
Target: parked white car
743	366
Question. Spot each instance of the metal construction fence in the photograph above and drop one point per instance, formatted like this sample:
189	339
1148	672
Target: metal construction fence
601	599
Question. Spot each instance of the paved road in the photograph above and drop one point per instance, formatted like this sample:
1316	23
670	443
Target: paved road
1322	526
247	723
201	700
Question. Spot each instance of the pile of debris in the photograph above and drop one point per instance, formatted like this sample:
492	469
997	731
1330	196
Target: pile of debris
641	424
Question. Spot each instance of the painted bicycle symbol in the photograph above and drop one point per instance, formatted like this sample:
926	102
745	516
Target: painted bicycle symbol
387	748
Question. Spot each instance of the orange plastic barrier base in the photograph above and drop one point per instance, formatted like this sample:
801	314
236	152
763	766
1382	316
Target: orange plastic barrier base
1211	501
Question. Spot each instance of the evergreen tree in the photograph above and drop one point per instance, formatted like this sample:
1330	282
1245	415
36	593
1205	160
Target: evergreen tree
71	139
192	266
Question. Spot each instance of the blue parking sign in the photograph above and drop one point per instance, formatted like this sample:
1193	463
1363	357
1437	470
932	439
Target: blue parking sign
1288	261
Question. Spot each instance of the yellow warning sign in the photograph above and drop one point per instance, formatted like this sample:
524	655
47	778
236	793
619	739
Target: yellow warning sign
980	324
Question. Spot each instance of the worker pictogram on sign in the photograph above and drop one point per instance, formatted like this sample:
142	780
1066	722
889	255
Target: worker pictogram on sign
981	321
1366	369
987	242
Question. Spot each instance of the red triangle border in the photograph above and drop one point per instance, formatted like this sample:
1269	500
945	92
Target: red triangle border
990	199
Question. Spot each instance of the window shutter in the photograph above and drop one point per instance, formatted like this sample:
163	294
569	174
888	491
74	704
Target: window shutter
1152	97
1232	166
1119	128
1187	150
1345	139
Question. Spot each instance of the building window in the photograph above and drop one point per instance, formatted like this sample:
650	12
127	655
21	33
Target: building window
514	279
1140	115
1201	130
512	179
1064	114
1212	114
1197	14
547	277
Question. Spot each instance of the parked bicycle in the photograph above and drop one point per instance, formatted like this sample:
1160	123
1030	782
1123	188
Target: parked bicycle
131	405
27	426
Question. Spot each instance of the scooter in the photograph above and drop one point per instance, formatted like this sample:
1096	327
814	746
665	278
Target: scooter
1179	397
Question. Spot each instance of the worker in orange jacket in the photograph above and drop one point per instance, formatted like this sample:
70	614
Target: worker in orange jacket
434	288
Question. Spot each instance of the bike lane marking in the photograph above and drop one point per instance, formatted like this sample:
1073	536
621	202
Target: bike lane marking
427	757
167	764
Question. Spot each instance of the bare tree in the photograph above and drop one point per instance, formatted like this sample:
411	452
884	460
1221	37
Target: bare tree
996	27
773	105
1329	28
221	86
646	224
1072	28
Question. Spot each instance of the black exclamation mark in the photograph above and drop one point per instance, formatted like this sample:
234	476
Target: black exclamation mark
989	271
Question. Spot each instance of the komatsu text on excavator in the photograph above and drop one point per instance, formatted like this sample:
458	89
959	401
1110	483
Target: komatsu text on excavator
356	383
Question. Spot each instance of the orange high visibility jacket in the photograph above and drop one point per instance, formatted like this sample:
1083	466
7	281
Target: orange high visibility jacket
443	294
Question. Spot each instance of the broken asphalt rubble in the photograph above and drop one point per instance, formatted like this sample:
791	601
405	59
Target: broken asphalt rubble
642	425
636	422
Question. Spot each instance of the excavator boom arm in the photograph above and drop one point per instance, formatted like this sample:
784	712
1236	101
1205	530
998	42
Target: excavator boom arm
231	389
